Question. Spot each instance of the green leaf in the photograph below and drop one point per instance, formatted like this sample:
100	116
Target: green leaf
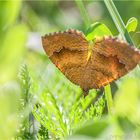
49	114
131	24
93	129
97	30
9	12
118	21
127	99
79	137
9	97
11	51
138	47
125	124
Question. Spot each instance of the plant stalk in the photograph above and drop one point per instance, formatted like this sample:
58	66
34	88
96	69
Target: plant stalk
118	21
83	13
109	99
125	35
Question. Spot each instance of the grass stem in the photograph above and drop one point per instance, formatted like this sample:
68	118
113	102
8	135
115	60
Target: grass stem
118	21
125	35
86	20
108	97
83	12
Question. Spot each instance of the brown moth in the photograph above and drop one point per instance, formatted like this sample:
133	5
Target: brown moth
90	65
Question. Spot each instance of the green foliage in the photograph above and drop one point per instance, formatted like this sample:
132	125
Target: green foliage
118	21
61	117
83	12
92	129
123	123
131	103
97	30
10	55
9	12
108	96
8	107
138	46
50	116
43	104
25	85
11	59
131	24
11	50
43	133
25	101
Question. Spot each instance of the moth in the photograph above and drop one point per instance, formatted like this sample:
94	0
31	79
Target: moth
90	65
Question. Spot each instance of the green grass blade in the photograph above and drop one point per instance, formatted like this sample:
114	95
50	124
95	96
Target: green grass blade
83	12
108	97
118	21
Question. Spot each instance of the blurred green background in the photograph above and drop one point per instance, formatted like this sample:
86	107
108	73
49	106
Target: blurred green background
36	100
